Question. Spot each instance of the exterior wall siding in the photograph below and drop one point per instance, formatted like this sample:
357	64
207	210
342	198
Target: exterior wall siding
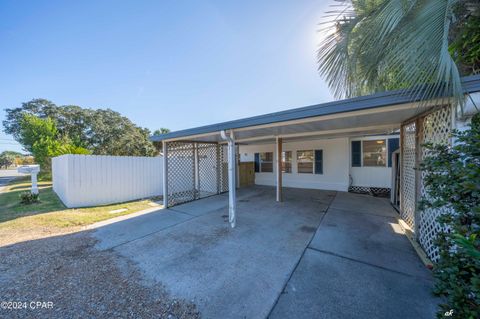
335	164
380	177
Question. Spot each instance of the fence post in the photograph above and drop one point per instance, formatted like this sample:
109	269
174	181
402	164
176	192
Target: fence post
418	173
165	174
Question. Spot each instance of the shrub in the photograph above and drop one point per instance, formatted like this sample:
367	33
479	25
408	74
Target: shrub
28	198
453	181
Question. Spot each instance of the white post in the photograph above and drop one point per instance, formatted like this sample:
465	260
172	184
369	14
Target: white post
232	205
232	183
34	183
165	174
196	169
279	169
33	170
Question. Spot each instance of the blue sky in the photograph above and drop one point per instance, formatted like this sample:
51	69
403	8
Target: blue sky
175	64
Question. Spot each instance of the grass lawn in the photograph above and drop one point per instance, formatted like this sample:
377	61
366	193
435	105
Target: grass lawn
20	222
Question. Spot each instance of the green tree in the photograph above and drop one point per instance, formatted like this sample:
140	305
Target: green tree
41	138
161	131
104	132
7	159
377	45
452	181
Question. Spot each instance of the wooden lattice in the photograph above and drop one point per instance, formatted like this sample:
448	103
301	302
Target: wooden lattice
408	204
436	129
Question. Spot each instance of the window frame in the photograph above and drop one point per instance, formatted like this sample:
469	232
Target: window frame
262	162
384	155
284	161
312	161
362	162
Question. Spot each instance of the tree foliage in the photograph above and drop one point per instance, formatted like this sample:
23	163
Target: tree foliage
6	159
161	131
378	45
42	138
465	41
104	132
453	181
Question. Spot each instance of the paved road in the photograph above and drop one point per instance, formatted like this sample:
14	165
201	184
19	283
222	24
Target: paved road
7	175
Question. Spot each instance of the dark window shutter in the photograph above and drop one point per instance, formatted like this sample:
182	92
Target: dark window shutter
257	162
318	161
356	153
393	145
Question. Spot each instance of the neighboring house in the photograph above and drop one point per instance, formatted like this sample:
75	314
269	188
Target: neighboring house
341	145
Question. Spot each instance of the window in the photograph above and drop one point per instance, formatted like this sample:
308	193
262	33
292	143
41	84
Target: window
356	153
287	162
374	153
266	162
305	161
393	145
318	161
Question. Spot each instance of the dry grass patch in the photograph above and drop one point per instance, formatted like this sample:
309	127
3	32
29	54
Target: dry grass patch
49	217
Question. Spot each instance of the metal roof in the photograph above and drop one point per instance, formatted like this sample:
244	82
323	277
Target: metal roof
470	84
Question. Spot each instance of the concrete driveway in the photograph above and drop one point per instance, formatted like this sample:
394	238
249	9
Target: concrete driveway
318	254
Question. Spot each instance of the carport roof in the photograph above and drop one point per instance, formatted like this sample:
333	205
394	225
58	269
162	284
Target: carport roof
378	101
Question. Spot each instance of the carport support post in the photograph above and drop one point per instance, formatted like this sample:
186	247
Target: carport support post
232	205
279	169
165	173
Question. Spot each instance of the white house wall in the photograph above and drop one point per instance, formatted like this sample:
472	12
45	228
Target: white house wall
335	164
371	176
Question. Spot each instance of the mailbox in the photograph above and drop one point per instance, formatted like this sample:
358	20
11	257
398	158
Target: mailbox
33	170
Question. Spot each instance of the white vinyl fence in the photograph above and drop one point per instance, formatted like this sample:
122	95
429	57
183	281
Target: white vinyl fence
91	180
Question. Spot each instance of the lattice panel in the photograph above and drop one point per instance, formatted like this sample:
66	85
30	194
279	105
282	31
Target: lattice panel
181	172
207	166
377	191
436	129
195	170
408	176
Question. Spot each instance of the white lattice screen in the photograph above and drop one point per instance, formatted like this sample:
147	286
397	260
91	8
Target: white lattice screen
195	170
436	129
408	204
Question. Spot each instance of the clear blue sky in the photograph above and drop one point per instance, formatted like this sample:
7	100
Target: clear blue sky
174	64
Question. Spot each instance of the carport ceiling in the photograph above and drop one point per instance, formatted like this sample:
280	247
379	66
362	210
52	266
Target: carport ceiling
382	120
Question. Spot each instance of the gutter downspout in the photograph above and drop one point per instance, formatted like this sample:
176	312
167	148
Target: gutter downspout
232	206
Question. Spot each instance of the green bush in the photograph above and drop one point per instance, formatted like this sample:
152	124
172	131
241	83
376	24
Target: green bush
453	181
28	198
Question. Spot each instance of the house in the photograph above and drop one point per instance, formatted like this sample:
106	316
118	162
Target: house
343	145
354	163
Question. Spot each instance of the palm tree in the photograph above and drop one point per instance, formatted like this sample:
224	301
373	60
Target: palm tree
378	45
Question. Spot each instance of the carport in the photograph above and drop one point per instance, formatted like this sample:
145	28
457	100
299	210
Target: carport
202	161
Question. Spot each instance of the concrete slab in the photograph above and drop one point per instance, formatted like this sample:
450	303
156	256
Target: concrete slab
358	265
209	204
121	232
360	203
235	273
369	238
327	286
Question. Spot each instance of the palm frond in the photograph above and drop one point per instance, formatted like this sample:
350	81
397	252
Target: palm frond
395	44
